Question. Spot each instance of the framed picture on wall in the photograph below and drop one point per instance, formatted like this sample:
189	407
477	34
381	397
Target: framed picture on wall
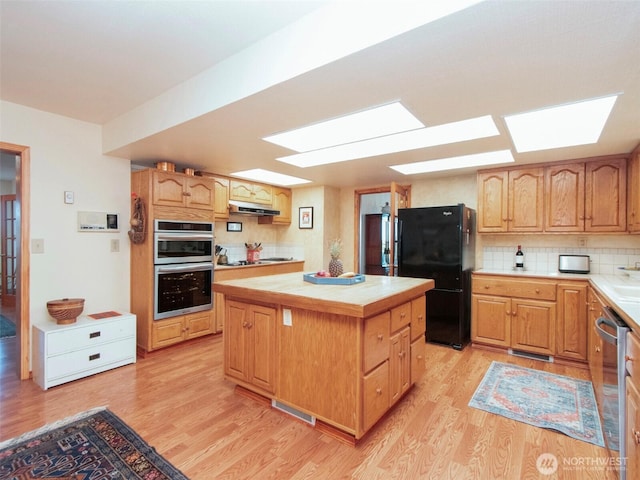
305	218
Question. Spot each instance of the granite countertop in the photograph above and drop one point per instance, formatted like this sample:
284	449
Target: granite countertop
608	286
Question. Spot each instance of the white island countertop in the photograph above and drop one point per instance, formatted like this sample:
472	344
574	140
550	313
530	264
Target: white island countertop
608	286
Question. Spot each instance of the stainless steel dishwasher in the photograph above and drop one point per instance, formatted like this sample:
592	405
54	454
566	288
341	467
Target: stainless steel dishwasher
610	382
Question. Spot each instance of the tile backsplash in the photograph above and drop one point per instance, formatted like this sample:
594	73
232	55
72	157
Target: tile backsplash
604	261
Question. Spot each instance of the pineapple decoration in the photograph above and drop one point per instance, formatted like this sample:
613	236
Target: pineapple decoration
335	265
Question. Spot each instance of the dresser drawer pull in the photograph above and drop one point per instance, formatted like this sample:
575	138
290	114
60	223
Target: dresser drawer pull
636	436
94	334
95	356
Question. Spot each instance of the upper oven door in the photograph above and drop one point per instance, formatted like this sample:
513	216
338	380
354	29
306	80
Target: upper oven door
182	247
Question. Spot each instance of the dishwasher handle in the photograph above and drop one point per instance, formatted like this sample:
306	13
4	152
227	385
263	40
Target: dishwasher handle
608	319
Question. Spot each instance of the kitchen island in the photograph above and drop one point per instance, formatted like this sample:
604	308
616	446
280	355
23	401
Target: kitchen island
336	356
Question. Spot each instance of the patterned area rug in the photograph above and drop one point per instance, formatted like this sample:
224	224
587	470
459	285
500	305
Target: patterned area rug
542	399
92	445
7	327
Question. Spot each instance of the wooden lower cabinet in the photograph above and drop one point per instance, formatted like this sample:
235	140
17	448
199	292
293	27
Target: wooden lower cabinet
399	364
183	327
491	320
250	353
345	371
632	430
572	321
376	397
531	314
533	326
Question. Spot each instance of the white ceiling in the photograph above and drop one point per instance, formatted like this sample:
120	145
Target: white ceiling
113	62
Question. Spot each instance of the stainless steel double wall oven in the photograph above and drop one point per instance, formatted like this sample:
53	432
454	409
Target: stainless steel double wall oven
183	264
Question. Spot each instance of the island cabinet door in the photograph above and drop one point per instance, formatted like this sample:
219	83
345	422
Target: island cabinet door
418	359
399	364
263	344
236	363
418	317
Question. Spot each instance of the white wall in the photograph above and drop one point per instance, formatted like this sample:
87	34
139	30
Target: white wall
66	156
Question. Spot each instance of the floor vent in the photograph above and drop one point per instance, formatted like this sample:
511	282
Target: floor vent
532	356
310	419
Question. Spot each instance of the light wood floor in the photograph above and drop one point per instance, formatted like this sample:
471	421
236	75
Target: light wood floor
178	401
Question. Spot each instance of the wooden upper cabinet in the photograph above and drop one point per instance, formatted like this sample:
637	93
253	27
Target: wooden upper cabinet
633	191
282	202
493	189
606	196
251	192
586	196
221	192
564	189
510	201
526	200
178	190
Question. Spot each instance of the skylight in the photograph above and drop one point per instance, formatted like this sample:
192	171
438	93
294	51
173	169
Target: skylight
371	123
267	176
578	123
452	163
470	129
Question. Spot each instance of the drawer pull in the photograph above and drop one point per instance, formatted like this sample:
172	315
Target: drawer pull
486	287
636	436
380	337
402	315
94	334
95	356
378	391
537	290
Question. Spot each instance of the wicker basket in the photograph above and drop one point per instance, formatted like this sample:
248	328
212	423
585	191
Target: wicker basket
65	310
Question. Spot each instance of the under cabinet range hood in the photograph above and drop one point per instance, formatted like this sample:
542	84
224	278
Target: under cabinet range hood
245	208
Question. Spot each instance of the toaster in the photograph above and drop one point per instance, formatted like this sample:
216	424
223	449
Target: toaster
573	263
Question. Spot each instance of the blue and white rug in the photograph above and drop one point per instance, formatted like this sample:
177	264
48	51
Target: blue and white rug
541	399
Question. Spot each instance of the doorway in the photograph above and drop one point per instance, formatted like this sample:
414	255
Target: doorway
14	352
366	201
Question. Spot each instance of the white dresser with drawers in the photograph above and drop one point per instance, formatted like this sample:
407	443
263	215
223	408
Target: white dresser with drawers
62	353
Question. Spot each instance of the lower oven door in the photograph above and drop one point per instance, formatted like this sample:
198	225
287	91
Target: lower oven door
611	386
182	288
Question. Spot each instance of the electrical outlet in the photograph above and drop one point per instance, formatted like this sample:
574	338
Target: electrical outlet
37	245
115	245
582	241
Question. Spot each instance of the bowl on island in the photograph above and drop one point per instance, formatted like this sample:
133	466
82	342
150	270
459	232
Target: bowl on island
65	310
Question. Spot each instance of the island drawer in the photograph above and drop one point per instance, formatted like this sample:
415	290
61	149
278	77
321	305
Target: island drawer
376	340
375	395
400	316
514	287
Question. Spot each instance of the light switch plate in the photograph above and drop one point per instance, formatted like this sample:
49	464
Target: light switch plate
68	197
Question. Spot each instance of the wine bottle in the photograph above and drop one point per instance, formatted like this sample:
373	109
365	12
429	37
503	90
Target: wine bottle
519	257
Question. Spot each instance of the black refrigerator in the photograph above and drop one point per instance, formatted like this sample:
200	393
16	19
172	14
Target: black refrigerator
439	243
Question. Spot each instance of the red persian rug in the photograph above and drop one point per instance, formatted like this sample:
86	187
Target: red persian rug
547	400
92	445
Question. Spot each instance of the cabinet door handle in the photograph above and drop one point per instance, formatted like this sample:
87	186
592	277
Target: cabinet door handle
402	315
94	334
380	337
597	349
378	391
95	356
636	436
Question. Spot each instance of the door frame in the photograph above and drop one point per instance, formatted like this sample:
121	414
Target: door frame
394	189
23	196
